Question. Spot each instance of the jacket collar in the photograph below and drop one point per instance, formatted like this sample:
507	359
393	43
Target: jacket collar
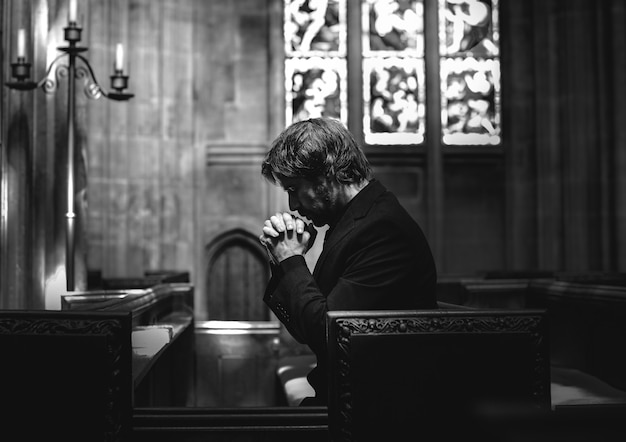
358	208
360	204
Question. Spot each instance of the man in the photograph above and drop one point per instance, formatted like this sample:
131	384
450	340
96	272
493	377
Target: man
375	256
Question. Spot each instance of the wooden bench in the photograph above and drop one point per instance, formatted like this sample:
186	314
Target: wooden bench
65	375
587	332
587	315
76	374
293	369
407	373
249	424
162	338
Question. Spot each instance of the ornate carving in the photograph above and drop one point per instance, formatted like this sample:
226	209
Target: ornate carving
110	328
346	328
382	325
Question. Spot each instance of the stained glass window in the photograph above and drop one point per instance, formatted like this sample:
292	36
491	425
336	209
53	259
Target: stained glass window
393	68
393	72
315	65
470	72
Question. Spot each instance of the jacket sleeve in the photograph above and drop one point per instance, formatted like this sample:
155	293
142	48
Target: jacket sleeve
379	262
296	300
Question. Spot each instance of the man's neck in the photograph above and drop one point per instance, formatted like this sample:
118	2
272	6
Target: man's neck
353	189
347	194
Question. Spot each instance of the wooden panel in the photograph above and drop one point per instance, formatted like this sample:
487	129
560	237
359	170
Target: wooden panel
236	363
33	199
408	184
518	135
474	219
618	90
236	275
578	113
465	366
587	325
561	111
66	376
251	424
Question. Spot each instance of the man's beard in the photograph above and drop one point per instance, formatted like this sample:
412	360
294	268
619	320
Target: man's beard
323	215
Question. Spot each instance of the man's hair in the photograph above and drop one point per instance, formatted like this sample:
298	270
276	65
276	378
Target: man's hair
316	148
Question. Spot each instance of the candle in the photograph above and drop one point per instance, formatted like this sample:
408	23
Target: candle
72	12
119	58
21	43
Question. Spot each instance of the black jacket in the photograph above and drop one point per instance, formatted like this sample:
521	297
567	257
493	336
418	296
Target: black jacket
375	258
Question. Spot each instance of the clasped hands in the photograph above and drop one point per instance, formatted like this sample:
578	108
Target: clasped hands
285	236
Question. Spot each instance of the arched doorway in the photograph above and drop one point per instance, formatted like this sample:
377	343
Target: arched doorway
236	276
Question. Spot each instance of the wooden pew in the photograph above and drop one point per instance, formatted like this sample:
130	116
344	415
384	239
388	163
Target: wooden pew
76	374
163	339
504	339
249	424
147	407
588	331
96	282
292	370
434	372
500	290
587	317
158	414
65	375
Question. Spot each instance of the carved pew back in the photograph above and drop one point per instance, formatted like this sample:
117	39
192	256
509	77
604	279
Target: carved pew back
395	373
65	375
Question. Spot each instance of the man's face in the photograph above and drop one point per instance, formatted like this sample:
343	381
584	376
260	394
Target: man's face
316	201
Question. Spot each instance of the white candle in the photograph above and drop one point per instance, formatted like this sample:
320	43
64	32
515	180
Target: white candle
21	43
119	57
72	11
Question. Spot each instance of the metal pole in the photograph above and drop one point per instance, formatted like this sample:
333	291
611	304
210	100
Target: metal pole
70	215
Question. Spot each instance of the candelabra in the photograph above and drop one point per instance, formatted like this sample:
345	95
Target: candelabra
73	71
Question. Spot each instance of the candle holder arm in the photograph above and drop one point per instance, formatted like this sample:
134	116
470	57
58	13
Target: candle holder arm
93	88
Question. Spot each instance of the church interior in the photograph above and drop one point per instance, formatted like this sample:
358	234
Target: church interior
132	200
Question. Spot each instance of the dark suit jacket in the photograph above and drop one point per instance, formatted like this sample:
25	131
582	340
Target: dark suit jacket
375	258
